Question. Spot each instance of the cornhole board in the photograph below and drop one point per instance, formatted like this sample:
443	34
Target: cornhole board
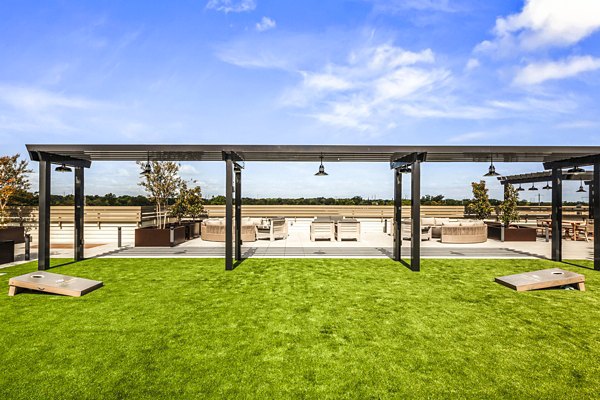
48	282
543	279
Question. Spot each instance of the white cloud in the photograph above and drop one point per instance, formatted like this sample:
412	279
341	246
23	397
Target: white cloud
364	92
420	5
265	24
228	6
544	23
34	99
536	73
472	64
469	137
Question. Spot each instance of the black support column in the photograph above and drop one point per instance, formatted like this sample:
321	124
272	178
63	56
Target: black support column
595	187
44	216
238	213
79	212
228	213
397	215
556	214
415	259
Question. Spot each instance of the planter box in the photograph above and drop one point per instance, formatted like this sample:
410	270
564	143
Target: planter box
154	237
14	233
514	233
7	251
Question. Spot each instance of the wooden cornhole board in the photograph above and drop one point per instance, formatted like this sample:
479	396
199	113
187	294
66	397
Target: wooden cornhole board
543	279
48	282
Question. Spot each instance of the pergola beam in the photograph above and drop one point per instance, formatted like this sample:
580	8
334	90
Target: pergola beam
60	159
573	162
400	160
539	177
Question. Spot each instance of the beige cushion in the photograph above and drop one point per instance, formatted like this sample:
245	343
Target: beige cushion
212	222
452	224
441	221
256	221
427	221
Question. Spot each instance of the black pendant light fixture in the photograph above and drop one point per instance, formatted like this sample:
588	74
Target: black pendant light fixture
321	168
547	187
492	169
533	187
63	168
581	189
147	168
575	170
519	189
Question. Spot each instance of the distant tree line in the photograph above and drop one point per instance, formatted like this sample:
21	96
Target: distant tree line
25	198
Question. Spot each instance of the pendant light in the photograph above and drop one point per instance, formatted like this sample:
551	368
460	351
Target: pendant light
533	187
519	189
147	168
63	168
492	169
321	168
581	189
547	187
575	170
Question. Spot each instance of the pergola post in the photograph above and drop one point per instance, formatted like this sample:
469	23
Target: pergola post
556	214
415	259
595	187
45	168
397	251
228	213
238	213
79	213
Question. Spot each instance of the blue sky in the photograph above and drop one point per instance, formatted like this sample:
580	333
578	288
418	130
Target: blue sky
283	72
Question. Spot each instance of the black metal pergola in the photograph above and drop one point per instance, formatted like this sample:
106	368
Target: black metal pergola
401	159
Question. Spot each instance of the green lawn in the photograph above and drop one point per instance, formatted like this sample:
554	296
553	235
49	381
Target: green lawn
275	328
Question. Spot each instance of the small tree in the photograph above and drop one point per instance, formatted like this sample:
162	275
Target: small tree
480	205
162	184
189	203
13	178
508	208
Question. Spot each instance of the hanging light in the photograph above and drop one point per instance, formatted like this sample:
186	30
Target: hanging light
581	189
63	168
492	169
533	187
520	189
147	168
547	187
321	168
576	170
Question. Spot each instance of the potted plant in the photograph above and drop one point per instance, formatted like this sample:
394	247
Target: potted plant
506	229
189	204
480	206
13	179
161	181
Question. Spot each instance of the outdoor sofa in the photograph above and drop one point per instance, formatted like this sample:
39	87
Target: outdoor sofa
213	230
272	229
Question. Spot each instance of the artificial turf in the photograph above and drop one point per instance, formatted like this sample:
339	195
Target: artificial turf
310	328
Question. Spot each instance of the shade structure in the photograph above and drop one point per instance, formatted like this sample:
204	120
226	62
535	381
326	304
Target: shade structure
402	159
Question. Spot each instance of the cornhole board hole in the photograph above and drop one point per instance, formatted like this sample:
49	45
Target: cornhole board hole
543	279
48	282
